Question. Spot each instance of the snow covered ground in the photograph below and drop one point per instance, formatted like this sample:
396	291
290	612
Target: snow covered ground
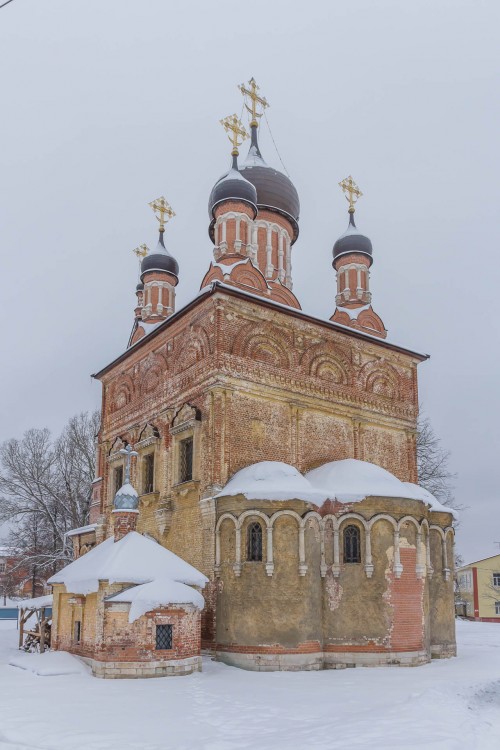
446	705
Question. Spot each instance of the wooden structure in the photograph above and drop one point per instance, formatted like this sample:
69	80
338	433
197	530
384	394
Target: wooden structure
41	608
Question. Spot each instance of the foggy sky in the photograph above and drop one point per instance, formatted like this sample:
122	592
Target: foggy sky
108	105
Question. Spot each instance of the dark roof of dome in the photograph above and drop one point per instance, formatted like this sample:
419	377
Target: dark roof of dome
352	241
159	260
274	189
139	287
232	185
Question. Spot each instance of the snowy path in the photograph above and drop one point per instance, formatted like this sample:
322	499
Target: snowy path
447	705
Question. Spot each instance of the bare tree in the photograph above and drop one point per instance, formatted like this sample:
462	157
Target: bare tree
45	490
433	464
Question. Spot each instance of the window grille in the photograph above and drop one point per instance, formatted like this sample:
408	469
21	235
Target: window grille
163	637
77	630
118	478
352	547
149	473
496	579
3	567
186	460
497	608
254	542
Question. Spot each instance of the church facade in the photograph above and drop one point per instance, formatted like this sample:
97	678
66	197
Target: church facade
276	452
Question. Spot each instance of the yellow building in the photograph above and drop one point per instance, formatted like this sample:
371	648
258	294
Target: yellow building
479	589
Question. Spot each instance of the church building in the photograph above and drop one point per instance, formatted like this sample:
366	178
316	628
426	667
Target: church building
271	453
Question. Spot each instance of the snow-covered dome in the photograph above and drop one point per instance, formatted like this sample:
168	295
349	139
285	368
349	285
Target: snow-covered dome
352	480
271	480
232	186
347	481
422	494
126	498
159	260
352	241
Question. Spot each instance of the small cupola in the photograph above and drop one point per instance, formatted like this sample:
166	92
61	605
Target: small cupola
158	277
352	241
160	259
352	259
126	501
232	186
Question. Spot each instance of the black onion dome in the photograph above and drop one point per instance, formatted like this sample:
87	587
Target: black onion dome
232	185
139	287
352	241
159	260
274	189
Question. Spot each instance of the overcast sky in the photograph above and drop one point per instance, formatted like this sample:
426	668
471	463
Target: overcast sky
108	104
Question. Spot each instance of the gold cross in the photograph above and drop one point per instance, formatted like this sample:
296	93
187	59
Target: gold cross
353	193
231	123
161	207
141	251
255	99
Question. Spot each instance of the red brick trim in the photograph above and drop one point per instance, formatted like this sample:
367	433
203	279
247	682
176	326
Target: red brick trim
217	286
310	647
476	592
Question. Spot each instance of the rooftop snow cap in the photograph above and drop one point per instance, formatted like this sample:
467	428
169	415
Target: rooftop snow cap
161	577
352	241
348	481
232	186
126	498
159	260
274	189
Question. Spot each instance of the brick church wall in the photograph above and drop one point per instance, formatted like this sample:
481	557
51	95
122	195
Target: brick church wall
267	384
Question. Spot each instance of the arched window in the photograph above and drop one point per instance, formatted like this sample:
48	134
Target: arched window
254	542
352	547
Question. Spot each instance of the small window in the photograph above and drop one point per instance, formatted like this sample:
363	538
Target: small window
149	473
352	548
118	477
186	460
254	542
163	637
2	567
496	579
77	631
497	608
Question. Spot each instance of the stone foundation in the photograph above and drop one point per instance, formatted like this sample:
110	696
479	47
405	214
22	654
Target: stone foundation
306	662
129	670
443	651
346	659
272	662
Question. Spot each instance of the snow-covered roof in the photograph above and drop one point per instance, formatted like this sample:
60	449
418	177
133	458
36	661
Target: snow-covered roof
428	497
347	481
36	603
148	327
227	268
353	312
156	593
135	559
272	480
82	530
